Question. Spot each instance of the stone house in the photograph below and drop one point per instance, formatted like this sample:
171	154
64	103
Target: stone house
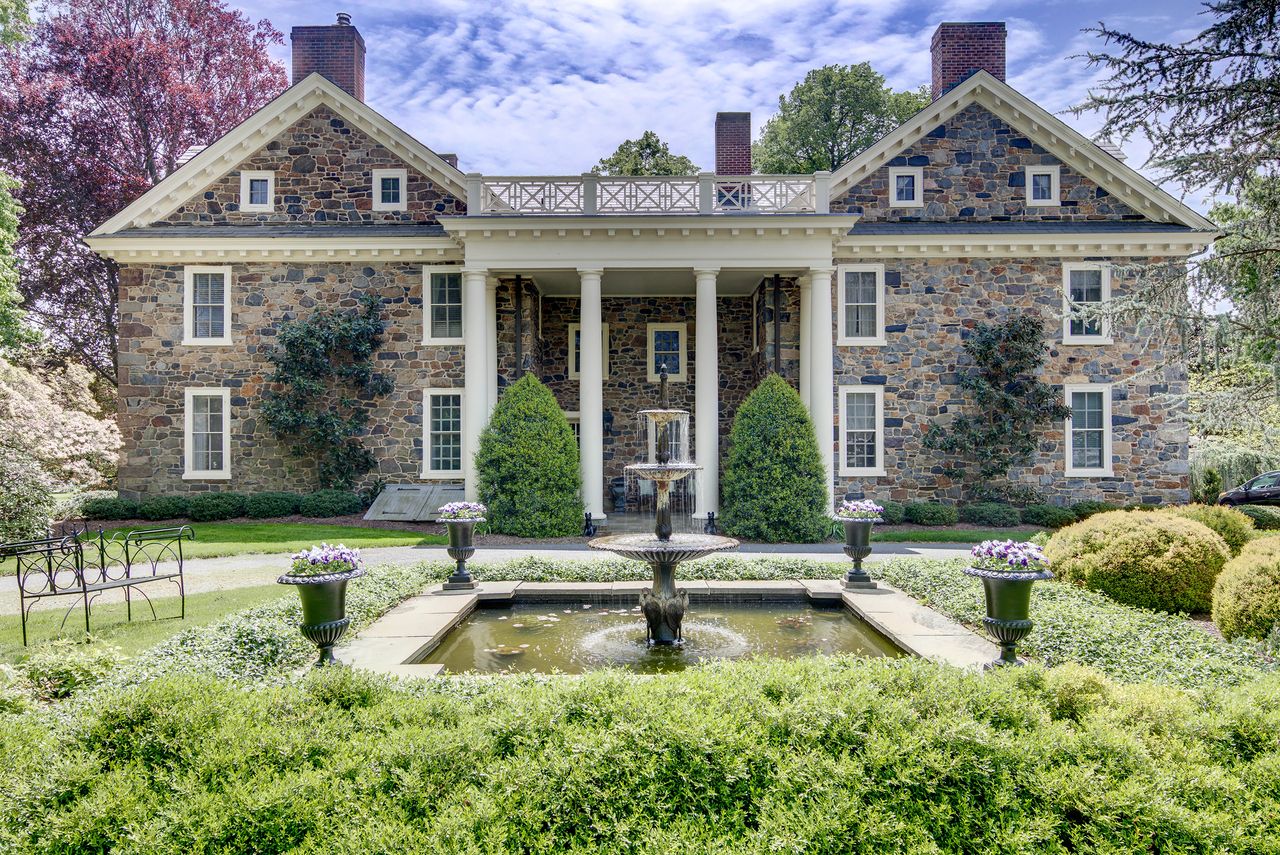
857	286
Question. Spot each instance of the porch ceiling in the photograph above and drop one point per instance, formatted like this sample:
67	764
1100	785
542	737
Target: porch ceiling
656	282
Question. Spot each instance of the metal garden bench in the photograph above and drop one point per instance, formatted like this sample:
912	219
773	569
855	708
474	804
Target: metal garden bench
84	565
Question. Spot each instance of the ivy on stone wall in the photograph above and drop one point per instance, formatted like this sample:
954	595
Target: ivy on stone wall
326	387
1007	405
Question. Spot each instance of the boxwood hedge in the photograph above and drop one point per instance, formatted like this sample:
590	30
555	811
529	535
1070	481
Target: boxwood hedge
994	514
208	507
932	513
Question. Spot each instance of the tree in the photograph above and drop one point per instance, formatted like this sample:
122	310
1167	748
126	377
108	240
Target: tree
98	105
830	116
13	333
774	481
528	465
648	155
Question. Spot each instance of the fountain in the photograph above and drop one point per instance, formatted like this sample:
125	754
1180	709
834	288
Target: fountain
663	605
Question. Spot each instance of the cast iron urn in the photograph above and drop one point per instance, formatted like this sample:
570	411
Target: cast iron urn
324	609
462	545
1008	618
857	545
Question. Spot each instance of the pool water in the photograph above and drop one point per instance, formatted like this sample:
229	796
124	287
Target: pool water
575	637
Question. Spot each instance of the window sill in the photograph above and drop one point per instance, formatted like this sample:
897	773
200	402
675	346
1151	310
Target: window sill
206	476
863	473
1090	473
1078	340
444	342
441	476
862	342
901	204
392	209
671	378
206	342
1044	204
258	209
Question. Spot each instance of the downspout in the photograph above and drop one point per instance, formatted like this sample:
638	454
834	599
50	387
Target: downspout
777	324
519	301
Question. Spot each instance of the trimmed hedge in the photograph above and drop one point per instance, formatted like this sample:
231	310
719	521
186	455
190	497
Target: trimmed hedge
165	508
261	506
894	512
208	507
1246	597
931	513
991	514
110	509
1089	507
1265	517
329	503
774	481
1231	525
1049	516
1153	560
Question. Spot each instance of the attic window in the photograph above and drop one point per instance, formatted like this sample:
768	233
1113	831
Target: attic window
906	187
257	191
1042	185
389	189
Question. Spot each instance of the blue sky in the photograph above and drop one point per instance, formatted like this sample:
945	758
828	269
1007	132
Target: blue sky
532	87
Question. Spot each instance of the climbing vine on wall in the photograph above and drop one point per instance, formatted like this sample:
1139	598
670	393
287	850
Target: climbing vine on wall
325	389
1006	408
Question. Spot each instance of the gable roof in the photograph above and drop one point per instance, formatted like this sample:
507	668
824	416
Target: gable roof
222	157
1047	130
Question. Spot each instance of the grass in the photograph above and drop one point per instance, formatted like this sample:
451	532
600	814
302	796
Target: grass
110	627
952	535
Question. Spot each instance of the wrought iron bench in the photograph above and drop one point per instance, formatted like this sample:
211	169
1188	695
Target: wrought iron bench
86	564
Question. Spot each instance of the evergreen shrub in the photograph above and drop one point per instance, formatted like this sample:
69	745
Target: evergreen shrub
1265	518
112	508
1089	507
1049	516
329	503
1246	597
165	508
932	513
894	512
774	482
1231	525
992	514
261	506
209	507
26	498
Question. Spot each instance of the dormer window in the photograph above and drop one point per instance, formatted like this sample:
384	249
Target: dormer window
389	189
1042	186
906	187
257	191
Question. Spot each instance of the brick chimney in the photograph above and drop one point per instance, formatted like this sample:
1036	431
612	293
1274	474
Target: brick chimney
336	51
733	143
962	49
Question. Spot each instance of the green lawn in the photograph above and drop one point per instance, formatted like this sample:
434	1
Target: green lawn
952	535
110	628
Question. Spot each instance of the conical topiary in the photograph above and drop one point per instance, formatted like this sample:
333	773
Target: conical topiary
528	465
773	481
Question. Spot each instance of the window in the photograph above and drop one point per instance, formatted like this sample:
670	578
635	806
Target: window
206	302
667	348
442	306
1082	285
1088	430
442	428
906	187
575	350
257	191
861	430
575	425
861	304
208	435
1042	185
389	189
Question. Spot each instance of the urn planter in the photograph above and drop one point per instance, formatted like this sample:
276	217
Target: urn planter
857	545
462	545
1008	598
324	609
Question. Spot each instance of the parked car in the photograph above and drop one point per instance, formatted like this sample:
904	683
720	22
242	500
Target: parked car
1262	490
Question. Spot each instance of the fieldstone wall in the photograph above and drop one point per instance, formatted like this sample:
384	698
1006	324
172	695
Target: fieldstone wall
763	361
530	333
974	170
929	305
323	173
156	368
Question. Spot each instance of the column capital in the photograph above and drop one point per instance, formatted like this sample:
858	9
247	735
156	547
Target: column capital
590	271
476	271
822	270
706	271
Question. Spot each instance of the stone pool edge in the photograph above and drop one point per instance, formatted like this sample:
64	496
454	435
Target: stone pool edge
393	644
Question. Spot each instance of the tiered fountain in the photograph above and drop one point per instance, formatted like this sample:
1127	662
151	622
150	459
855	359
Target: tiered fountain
663	606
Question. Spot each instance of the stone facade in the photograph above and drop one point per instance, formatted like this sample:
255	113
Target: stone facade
974	169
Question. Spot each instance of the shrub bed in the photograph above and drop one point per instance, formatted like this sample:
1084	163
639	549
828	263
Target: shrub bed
165	508
329	503
208	507
1089	507
110	509
931	513
1231	525
1148	559
1049	516
991	514
261	506
895	513
1265	518
1246	597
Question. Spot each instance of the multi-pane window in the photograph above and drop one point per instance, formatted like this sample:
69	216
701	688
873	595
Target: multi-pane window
861	291
207	433
257	191
1086	286
443	423
1042	185
905	190
389	189
861	430
1088	430
667	351
575	350
207	305
444	306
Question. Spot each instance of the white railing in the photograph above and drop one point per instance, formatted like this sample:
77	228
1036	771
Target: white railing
590	194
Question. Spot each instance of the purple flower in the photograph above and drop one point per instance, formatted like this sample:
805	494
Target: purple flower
1009	556
859	509
463	511
324	559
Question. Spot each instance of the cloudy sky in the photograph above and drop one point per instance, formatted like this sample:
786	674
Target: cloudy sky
532	87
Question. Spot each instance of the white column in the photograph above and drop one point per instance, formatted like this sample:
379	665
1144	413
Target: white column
706	392
475	397
822	371
591	395
806	358
491	336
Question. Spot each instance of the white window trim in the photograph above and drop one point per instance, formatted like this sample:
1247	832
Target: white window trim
188	315
1055	186
878	469
916	172
427	270
245	205
683	375
604	352
429	474
1105	336
574	417
189	472
375	189
843	339
1109	469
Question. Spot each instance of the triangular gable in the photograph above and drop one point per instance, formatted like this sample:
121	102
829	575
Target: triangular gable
225	155
1047	130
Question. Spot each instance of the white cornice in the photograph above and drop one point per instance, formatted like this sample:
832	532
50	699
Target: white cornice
987	245
674	227
194	249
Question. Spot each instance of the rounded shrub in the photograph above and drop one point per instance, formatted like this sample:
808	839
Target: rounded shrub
110	509
1049	516
1264	518
992	514
1246	597
26	500
207	507
165	508
527	465
329	503
932	513
1151	560
1089	507
261	506
894	512
1231	525
774	486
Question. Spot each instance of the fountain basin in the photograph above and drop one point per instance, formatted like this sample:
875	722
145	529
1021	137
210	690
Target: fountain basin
649	549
